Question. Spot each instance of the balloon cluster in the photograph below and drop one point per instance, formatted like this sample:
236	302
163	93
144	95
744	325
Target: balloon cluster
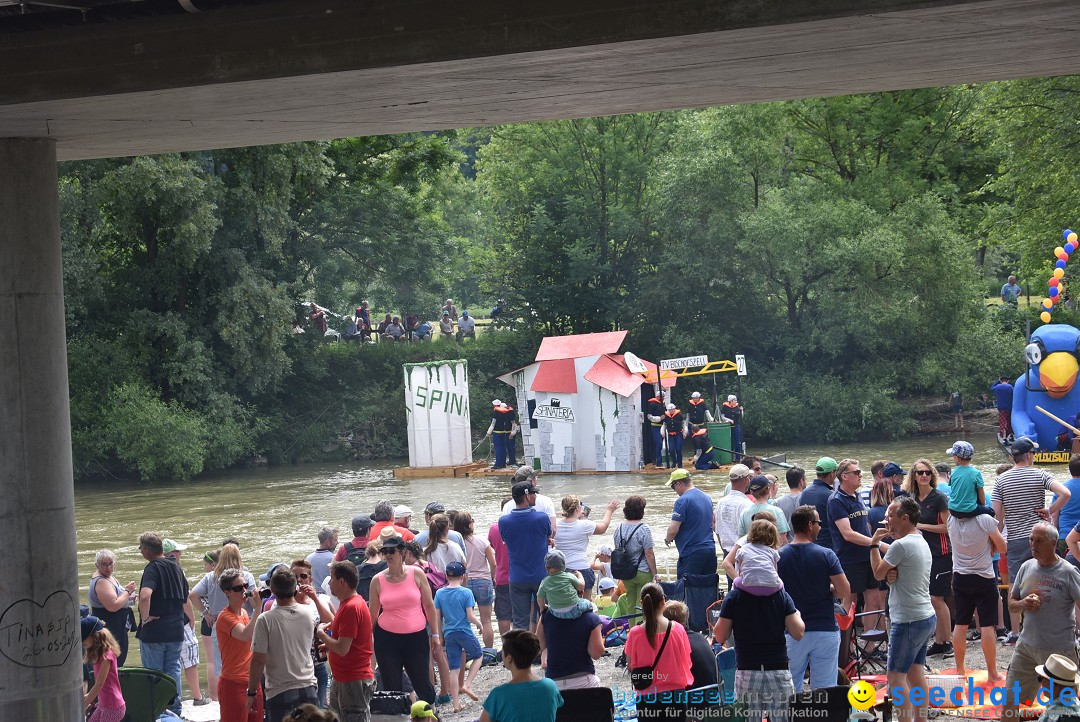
1054	291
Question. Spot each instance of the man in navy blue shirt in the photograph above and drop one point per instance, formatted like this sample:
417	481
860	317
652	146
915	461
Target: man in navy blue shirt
691	527
849	525
818	493
525	531
807	571
1003	396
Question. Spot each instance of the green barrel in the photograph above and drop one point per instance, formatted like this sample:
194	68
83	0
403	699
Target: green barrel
720	437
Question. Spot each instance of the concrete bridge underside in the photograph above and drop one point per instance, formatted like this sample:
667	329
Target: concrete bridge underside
287	71
106	83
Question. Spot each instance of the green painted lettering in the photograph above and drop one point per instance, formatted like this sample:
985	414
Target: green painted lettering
420	400
436	396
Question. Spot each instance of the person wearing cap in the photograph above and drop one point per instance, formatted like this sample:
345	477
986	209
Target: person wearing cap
758	489
601	563
430	511
384	517
732	412
849	528
189	652
466	326
163	596
542	502
401	605
323	556
675	432
704	453
403	517
348	642
691	526
100	649
455	615
1003	396
526	533
421	711
817	495
570	644
1061	679
1045	590
654	412
353	550
604	599
502	430
281	650
698	414
729	509
1019	501
966	495
446	326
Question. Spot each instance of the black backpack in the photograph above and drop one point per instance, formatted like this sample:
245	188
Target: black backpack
367	573
622	566
356	555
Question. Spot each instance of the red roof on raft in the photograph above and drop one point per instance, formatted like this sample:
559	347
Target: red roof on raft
556	376
610	372
580	345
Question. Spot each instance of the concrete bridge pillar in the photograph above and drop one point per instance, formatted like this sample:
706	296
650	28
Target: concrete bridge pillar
40	641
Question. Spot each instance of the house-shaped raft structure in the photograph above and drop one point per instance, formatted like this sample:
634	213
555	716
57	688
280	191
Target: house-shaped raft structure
581	405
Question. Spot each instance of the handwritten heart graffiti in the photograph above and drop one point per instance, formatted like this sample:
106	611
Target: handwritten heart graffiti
40	635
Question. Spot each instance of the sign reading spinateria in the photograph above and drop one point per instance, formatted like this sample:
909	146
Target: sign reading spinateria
437	407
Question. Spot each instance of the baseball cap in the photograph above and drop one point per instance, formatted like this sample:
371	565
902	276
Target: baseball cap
421	709
678	475
524	473
893	469
169	546
962	449
758	482
435	507
455	569
270	571
696	395
739	471
402	511
464	313
607	583
1023	445
496	402
825	465
90	624
521	488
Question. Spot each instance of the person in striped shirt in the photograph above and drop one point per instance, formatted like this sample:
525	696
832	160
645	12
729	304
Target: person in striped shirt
1019	501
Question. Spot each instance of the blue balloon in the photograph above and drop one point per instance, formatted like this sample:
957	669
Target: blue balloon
1065	233
1069	248
1053	291
1060	264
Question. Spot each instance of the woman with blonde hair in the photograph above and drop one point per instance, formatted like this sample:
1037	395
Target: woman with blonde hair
572	534
211	599
110	602
921	483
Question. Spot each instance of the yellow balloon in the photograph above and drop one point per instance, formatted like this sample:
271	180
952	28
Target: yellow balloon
1058	251
1047	304
1045	316
1059	273
1071	238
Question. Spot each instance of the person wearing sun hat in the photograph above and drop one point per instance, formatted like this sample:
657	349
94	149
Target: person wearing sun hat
691	526
817	495
1060	672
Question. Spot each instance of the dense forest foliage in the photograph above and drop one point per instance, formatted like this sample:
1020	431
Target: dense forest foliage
846	246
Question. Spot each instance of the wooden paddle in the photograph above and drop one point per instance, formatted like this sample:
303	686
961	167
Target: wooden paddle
1060	421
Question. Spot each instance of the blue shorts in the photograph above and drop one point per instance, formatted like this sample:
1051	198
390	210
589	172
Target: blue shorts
483	591
907	643
458	642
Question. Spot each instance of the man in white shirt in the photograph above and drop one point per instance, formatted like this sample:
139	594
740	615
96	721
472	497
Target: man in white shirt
543	502
730	508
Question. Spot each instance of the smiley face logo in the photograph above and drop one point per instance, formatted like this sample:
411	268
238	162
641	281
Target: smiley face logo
862	695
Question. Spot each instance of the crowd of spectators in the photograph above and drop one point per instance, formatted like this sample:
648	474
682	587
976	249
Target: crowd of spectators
358	326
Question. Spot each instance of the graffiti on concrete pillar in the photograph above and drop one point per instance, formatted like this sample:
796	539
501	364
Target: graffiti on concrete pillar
40	635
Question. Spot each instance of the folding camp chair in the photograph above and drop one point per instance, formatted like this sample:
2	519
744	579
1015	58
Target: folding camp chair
861	651
595	704
147	692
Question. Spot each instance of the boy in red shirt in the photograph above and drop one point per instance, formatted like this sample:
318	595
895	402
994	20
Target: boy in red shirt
349	647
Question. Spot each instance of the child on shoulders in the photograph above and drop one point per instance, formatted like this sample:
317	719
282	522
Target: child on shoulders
755	563
560	592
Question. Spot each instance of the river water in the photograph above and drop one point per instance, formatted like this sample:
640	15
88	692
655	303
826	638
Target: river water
276	513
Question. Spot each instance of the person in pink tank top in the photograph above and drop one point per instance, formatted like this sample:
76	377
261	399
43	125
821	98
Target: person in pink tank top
100	649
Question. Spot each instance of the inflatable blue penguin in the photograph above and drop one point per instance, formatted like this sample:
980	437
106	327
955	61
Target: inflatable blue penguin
1050	382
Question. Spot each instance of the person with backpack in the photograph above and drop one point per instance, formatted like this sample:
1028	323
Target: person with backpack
401	605
354	550
632	560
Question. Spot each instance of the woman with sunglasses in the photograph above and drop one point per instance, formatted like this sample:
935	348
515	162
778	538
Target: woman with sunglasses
208	597
234	631
401	606
921	483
